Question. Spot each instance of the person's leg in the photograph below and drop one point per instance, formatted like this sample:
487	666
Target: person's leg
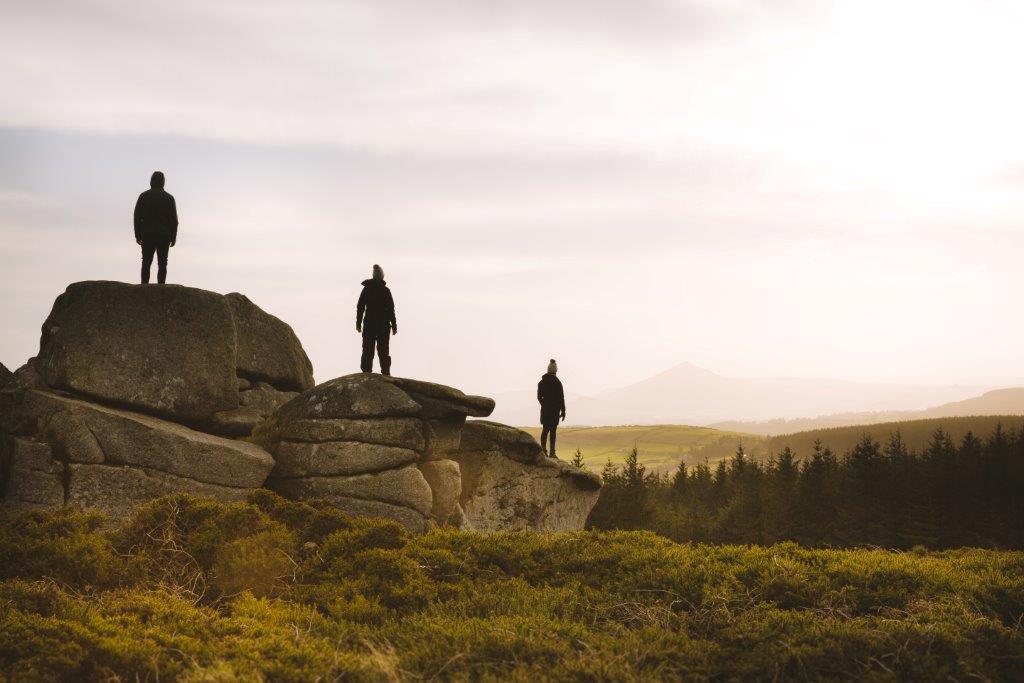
384	351
366	362
544	439
161	261
147	259
554	433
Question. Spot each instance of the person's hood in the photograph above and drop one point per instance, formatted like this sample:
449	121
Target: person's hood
374	283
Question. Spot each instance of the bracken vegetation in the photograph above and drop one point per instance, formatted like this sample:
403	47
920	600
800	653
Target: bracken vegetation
947	495
282	591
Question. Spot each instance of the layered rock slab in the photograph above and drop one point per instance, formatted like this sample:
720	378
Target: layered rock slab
364	442
112	459
117	490
508	483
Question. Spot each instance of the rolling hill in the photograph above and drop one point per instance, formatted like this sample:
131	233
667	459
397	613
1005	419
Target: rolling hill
687	394
998	402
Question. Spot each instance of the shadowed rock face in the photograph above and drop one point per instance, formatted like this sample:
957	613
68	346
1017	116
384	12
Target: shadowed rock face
30	476
445	479
507	483
268	349
167	350
369	442
6	376
172	351
110	459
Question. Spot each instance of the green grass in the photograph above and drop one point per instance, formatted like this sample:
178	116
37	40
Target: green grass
660	446
272	590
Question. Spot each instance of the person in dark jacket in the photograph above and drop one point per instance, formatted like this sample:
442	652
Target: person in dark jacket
552	406
156	226
375	318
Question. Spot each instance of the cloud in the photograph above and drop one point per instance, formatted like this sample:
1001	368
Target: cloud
628	184
497	77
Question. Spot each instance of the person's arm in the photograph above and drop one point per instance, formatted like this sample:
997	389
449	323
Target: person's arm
360	307
540	392
561	398
174	222
391	313
137	220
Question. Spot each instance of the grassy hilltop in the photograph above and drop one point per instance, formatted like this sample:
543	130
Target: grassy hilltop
276	590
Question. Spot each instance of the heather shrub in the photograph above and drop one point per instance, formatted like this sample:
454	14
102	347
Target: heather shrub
283	591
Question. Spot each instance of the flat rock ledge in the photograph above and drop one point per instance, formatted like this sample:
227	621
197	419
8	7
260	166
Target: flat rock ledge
372	444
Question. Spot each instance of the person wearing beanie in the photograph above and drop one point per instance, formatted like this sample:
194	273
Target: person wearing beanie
375	318
156	227
551	397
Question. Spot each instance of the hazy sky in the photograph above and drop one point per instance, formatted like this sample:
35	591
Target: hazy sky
762	188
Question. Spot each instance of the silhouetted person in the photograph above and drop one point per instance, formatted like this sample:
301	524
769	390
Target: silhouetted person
378	323
156	226
552	406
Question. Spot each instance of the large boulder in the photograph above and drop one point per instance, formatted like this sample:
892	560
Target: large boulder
268	349
167	350
111	459
507	483
135	388
365	442
211	361
6	376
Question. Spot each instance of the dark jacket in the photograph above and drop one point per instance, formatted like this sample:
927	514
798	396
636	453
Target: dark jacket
379	307
156	216
552	400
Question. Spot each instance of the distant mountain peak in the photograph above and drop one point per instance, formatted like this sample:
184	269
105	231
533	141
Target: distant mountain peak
684	369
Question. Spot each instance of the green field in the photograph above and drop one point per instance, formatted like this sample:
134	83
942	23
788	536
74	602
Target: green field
280	591
660	446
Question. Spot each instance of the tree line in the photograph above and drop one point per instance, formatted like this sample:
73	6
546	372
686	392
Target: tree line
946	495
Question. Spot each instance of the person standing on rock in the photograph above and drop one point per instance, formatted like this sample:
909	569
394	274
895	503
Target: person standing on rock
552	406
156	226
375	318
